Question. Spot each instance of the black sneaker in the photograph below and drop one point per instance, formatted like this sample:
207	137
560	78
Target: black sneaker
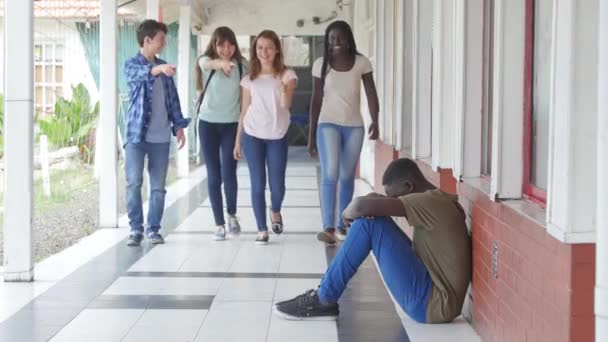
306	307
135	239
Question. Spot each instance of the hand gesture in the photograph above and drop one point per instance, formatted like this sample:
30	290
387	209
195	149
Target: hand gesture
167	69
237	153
372	131
312	147
226	67
181	138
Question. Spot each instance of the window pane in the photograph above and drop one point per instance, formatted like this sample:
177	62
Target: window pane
38	74
539	130
297	51
48	74
58	74
48	53
59	53
38	96
50	98
37	52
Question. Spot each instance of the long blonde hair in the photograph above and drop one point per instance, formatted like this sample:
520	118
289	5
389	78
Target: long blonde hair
255	66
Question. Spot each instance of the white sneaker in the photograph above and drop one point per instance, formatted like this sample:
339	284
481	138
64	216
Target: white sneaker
220	234
234	225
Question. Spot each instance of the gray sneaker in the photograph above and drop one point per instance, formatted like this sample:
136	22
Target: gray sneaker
220	234
233	225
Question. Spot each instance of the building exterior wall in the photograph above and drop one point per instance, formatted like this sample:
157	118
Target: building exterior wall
76	69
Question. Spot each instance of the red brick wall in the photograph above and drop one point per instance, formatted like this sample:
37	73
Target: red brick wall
543	290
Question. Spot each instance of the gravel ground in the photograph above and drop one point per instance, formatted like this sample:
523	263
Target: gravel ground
57	229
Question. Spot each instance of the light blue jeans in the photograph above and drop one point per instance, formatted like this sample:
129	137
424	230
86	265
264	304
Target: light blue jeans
158	161
339	149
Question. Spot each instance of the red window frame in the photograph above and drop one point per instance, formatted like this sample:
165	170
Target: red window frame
530	191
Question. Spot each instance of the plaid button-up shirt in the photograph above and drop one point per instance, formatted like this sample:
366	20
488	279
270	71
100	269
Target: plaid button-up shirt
140	82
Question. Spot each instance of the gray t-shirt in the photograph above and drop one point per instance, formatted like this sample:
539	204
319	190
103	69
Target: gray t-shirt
159	127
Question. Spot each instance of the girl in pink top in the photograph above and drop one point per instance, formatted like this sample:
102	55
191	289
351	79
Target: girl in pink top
267	93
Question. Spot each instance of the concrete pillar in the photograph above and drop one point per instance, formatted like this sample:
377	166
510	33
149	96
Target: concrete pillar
601	247
153	9
572	188
18	140
108	109
183	79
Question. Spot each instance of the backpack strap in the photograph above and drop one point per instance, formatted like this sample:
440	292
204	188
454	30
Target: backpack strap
199	102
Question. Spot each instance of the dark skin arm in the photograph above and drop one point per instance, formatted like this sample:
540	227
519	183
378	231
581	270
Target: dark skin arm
372	102
315	109
372	206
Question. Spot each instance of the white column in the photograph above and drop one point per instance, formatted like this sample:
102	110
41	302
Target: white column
472	91
572	188
601	247
108	109
18	140
443	85
437	91
153	9
507	126
183	79
421	78
458	84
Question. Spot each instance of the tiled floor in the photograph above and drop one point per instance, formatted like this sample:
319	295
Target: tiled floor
195	289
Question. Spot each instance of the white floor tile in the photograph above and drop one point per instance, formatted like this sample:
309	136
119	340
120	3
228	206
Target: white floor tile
216	256
167	325
293	198
164	286
457	330
151	334
172	318
261	259
301	331
291	182
303	258
308	171
289	288
247	289
236	321
99	325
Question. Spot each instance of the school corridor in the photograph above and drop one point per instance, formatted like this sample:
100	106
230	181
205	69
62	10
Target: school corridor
193	288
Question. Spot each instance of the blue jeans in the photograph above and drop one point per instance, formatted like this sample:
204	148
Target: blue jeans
158	162
405	275
217	145
339	149
261	153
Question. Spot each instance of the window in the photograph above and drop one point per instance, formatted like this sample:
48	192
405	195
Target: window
297	51
536	103
488	79
48	76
